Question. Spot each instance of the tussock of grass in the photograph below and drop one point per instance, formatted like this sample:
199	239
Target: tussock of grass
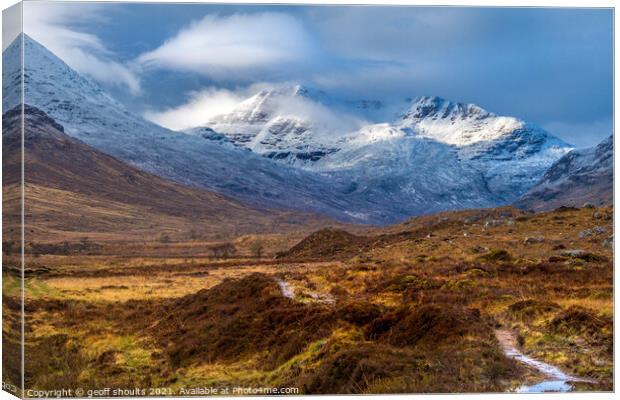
496	255
531	309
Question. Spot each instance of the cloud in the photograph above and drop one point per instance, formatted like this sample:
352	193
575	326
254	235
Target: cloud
56	26
11	24
202	106
205	104
239	44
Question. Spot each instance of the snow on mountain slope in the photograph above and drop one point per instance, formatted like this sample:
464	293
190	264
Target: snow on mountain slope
92	116
408	170
510	154
294	124
581	176
453	123
295	147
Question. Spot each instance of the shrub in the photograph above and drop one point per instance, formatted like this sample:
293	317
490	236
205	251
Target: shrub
496	255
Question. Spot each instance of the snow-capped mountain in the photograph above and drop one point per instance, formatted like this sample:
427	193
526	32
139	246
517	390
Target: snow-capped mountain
314	131
581	176
299	148
510	153
91	115
294	124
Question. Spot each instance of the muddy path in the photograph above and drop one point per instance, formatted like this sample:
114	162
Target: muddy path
288	291
556	379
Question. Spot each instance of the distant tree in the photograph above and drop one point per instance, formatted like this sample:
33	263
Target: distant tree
193	235
84	244
257	249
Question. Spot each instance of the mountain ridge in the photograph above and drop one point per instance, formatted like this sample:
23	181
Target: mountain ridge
374	174
73	189
581	176
509	153
91	115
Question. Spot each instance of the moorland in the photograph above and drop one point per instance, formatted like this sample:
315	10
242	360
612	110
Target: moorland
414	307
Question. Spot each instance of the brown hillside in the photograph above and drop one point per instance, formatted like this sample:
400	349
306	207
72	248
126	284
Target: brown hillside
73	191
326	243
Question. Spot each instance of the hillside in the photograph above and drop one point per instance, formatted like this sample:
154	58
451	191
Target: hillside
73	190
299	148
581	176
91	115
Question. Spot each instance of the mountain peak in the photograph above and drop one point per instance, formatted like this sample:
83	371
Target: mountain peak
437	107
581	176
299	91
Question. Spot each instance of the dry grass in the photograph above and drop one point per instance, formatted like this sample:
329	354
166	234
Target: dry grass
412	306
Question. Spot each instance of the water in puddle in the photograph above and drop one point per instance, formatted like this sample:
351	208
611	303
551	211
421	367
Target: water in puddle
546	386
558	380
287	290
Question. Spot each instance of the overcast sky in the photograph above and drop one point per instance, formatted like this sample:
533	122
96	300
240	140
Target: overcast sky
552	67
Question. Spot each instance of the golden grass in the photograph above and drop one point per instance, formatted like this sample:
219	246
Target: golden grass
447	260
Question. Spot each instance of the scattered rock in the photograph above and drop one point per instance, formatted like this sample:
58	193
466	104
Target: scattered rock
505	214
493	222
472	219
588	205
609	242
585	233
573	253
532	240
599	230
602	215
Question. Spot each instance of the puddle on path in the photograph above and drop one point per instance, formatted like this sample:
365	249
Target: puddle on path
558	381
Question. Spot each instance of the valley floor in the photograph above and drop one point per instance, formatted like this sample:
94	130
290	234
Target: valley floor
417	307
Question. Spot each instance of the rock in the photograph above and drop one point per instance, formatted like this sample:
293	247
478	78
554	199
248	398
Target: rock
505	214
588	205
573	253
599	230
609	242
602	215
585	233
532	240
472	219
510	222
493	222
